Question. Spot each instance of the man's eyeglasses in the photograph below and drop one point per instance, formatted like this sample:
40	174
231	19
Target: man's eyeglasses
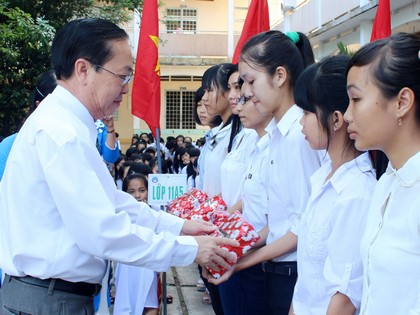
125	79
242	100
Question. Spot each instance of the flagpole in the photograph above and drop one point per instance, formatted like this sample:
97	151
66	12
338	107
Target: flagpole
159	160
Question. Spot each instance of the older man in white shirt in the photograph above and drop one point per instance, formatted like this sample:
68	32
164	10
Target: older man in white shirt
62	216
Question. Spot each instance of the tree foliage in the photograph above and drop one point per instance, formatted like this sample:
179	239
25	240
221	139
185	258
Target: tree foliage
27	28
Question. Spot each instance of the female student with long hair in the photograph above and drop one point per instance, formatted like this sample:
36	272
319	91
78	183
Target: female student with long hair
249	283
270	64
215	100
232	172
383	83
330	230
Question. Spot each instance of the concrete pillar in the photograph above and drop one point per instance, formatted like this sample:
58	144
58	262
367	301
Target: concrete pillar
365	31
231	39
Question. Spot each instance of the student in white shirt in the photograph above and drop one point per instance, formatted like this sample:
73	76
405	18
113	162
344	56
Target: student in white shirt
249	283
232	171
214	83
383	83
270	64
62	216
330	230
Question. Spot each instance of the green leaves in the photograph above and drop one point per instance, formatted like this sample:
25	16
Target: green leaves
27	28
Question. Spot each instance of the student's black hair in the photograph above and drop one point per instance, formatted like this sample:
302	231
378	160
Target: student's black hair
130	151
88	38
197	98
144	133
139	168
236	121
193	151
322	89
46	83
217	77
191	171
117	174
150	150
394	64
130	177
135	156
146	157
271	49
177	163
170	144
141	141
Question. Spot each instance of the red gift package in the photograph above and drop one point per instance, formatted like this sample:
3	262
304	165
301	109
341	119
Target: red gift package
184	204
206	209
235	227
195	205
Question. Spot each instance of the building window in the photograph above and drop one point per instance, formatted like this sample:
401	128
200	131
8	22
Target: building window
181	20
179	110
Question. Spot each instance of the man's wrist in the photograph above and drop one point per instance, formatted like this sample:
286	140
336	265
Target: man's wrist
110	131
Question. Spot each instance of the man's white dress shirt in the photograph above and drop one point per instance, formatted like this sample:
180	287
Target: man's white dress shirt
391	244
61	214
329	235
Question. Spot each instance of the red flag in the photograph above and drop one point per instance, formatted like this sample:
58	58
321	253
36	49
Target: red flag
257	21
382	23
145	99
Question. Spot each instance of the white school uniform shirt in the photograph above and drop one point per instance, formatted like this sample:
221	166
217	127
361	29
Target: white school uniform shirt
391	243
213	158
61	214
233	167
255	184
208	135
292	162
329	235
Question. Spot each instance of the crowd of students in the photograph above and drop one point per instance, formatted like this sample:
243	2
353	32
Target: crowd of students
298	148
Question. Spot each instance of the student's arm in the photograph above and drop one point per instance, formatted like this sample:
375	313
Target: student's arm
283	245
340	304
236	206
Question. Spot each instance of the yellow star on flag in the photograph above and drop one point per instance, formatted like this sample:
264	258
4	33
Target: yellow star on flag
155	39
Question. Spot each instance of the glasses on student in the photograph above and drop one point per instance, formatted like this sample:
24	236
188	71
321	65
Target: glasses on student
125	79
242	100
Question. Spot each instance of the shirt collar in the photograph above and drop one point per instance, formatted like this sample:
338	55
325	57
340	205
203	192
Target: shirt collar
271	126
409	174
345	173
263	142
294	113
76	108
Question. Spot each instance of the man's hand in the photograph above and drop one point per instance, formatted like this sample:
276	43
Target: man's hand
197	227
211	255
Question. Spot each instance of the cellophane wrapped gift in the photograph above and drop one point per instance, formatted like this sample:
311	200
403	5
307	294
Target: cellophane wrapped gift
235	227
195	204
184	204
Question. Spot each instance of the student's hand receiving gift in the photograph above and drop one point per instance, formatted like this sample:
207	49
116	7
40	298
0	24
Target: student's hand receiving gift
226	276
